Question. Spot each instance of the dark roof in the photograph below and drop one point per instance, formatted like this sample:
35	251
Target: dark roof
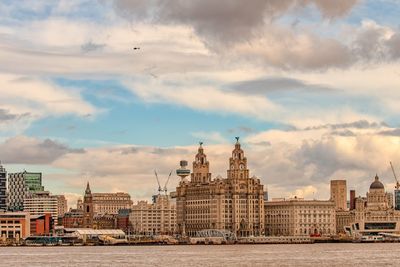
376	184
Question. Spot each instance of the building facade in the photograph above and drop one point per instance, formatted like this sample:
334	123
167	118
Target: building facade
62	205
110	203
40	203
41	224
14	225
373	214
154	218
20	185
73	218
235	203
296	216
339	194
3	188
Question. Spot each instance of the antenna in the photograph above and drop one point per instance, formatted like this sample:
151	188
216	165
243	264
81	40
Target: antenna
395	177
158	182
166	183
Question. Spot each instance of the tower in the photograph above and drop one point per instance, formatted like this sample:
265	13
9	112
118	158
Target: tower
88	208
339	194
238	163
201	167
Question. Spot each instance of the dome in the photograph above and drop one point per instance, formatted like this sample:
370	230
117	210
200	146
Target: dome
376	184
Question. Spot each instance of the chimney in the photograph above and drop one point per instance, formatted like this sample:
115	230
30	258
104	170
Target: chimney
352	199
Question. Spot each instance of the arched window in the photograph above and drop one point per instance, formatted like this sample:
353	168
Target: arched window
87	209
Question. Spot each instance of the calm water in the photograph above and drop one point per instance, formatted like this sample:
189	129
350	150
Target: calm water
235	255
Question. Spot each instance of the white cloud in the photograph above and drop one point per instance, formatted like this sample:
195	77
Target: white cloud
30	98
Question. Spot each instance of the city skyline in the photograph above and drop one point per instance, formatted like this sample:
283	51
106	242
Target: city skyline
108	91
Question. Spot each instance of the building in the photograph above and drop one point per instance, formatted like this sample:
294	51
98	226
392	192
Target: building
40	203
14	225
62	205
397	199
235	203
105	221
20	185
41	224
154	218
110	203
296	216
88	213
339	194
73	218
373	214
3	188
123	221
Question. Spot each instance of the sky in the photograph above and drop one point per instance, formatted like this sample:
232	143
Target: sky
310	86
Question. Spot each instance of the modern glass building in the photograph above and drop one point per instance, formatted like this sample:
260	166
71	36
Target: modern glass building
397	199
3	180
20	186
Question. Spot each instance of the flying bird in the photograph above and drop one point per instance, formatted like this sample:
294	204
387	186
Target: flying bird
136	48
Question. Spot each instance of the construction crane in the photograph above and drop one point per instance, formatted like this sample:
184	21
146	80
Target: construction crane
166	183
160	189
158	182
395	177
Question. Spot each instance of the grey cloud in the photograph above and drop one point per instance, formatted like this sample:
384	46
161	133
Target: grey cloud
277	84
392	132
90	47
361	124
27	150
241	129
344	132
5	116
224	20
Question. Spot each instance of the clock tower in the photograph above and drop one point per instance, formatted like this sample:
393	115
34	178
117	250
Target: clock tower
238	163
201	167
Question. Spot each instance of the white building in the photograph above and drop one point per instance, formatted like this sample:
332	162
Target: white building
297	216
154	218
41	203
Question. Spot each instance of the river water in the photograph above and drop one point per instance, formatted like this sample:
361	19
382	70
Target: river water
345	254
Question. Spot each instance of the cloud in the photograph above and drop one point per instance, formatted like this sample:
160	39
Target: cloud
25	99
177	90
90	47
277	84
28	150
225	20
6	116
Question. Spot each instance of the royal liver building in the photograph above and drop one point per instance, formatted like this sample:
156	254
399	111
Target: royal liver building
234	203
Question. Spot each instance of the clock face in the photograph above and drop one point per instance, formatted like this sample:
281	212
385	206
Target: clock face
241	166
232	167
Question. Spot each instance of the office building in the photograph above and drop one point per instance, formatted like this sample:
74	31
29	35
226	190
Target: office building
40	203
154	218
20	185
3	188
14	225
235	203
296	217
110	203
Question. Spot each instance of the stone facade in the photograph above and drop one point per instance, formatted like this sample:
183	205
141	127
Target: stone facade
372	214
110	203
73	218
154	218
297	216
235	203
88	212
339	194
62	205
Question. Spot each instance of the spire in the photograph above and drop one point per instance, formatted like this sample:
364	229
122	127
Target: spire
88	191
376	177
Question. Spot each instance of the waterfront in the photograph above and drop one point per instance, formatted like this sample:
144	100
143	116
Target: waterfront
384	254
